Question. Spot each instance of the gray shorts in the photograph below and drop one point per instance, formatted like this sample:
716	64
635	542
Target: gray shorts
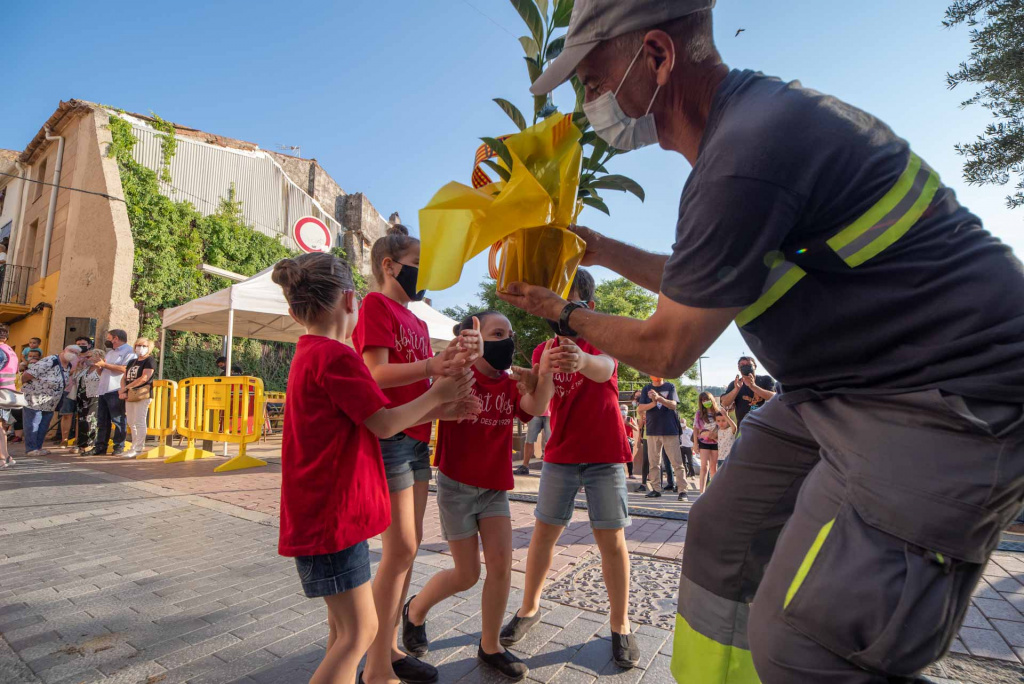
603	483
462	506
535	426
406	461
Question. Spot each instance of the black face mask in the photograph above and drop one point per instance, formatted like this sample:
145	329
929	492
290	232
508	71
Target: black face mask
108	344
500	353
746	369
407	279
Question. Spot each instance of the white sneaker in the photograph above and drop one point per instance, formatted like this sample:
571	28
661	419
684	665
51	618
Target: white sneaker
34	453
129	454
44	452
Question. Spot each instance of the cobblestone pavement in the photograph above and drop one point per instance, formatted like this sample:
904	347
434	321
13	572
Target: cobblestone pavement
144	572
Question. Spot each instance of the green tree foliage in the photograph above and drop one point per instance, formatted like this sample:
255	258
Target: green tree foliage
996	64
618	297
544	21
171	240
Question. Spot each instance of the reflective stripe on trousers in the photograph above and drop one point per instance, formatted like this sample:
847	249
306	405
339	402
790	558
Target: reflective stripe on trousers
710	642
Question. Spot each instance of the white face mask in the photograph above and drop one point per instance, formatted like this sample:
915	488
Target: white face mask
141	351
614	127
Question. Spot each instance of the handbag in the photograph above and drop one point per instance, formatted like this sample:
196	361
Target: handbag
137	393
12	399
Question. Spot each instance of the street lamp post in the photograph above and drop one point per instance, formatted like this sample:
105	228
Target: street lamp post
700	369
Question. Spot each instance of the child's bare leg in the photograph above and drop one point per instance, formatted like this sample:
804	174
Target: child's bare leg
465	574
496	535
538	562
420	492
353	623
397	555
615	569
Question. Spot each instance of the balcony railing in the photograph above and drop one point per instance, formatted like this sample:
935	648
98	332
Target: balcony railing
14	282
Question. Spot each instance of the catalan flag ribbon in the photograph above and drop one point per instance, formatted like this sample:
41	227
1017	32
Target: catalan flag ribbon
528	215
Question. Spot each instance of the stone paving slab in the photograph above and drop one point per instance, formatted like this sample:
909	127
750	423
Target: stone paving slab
178	582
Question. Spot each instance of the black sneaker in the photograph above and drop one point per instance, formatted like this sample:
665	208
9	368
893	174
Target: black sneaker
118	451
521	470
414	637
506	663
641	488
653	495
625	650
414	671
517	628
682	496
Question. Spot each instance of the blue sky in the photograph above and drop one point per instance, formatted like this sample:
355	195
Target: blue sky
391	97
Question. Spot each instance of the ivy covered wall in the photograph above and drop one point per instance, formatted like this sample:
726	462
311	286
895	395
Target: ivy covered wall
172	239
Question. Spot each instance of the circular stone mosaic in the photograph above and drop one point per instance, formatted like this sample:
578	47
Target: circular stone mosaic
654	585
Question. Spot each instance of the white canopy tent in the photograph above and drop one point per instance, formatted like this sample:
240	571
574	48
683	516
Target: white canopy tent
256	308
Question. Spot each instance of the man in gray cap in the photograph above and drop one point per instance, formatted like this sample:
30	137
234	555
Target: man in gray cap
858	508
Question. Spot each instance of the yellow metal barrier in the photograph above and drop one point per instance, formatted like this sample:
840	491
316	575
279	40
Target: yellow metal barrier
162	418
275	410
223	409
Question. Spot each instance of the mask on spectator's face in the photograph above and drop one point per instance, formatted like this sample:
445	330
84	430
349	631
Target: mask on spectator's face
707	404
746	369
657	381
142	350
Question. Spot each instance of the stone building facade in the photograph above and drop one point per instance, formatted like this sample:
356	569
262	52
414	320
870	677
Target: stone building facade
362	223
71	253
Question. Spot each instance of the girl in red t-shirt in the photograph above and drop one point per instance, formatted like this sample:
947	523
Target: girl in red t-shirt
395	345
333	490
475	463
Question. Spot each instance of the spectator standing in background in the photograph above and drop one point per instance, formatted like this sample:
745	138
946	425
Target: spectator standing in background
748	391
43	385
85	383
539	426
660	402
34	345
725	434
704	438
135	391
111	406
686	447
632	433
222	365
8	374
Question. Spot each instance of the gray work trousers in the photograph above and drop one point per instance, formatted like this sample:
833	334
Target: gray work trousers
841	541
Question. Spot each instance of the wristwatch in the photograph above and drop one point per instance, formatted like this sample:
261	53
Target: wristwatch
563	320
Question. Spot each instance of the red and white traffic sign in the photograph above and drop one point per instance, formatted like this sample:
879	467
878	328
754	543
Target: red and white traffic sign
312	235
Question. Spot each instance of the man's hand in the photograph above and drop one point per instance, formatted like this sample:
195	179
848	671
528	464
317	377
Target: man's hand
652	395
748	380
539	301
595	242
526	378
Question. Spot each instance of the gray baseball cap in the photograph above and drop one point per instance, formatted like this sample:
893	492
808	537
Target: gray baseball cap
594	21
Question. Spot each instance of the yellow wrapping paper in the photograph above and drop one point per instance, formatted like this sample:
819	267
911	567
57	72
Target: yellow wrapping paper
529	214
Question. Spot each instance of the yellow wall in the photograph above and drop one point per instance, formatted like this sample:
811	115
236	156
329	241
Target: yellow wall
36	325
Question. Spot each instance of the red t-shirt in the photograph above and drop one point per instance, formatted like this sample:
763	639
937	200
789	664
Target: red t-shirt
480	453
385	323
586	422
333	489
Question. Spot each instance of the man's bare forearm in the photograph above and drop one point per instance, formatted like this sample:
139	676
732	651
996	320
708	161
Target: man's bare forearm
637	265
